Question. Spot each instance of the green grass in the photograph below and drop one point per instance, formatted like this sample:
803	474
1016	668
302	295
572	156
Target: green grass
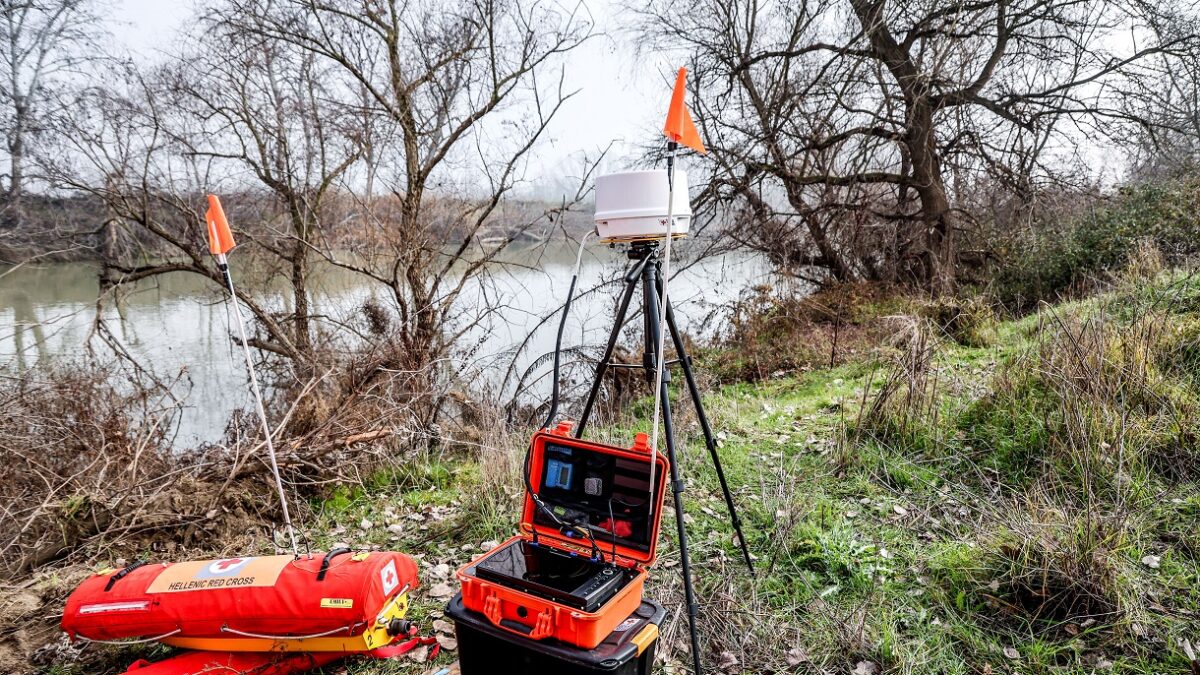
995	536
913	551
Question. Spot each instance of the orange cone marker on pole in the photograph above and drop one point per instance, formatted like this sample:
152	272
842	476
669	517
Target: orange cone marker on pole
220	242
679	127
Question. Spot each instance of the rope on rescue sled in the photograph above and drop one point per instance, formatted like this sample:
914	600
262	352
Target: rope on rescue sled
140	641
263	636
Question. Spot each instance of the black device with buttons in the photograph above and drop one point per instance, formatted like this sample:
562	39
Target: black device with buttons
572	580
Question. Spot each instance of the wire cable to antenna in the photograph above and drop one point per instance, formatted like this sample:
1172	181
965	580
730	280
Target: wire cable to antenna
539	505
562	325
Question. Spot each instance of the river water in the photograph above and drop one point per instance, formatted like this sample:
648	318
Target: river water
178	326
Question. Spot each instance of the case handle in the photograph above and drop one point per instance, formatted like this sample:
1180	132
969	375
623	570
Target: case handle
541	629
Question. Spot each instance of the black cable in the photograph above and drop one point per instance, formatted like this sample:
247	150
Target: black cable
612	522
539	505
562	325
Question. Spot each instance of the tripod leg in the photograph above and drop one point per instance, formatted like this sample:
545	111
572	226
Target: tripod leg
709	439
631	282
650	297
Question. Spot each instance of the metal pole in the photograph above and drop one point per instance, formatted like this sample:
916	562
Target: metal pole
654	339
660	348
258	403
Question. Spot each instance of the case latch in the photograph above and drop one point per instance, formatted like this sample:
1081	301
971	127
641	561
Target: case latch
544	627
641	442
563	429
491	609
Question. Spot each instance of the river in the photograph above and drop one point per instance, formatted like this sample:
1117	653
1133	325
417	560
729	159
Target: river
177	325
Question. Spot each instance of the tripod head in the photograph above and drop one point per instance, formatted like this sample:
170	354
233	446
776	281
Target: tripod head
640	250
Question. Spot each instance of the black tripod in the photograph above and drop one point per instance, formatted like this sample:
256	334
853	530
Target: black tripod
647	270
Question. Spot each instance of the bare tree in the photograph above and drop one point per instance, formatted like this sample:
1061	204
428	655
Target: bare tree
449	76
121	146
269	110
837	122
381	139
42	42
1168	146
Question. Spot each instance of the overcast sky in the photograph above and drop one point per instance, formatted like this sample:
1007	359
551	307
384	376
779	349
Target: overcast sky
621	99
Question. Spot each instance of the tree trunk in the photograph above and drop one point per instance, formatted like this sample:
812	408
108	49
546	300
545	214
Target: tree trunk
301	318
16	153
920	138
937	257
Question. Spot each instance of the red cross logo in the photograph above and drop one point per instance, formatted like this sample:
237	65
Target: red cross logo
388	577
222	568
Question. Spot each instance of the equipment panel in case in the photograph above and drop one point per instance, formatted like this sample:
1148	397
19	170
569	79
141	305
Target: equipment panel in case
589	530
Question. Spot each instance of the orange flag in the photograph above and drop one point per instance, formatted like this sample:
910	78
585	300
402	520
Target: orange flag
220	238
679	127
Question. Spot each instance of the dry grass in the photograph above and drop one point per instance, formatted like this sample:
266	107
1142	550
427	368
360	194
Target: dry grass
779	332
92	476
1078	441
83	460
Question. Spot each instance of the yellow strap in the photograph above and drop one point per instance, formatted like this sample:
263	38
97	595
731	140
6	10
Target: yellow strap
645	638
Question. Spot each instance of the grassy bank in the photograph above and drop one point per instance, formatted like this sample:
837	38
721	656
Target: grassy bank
1004	496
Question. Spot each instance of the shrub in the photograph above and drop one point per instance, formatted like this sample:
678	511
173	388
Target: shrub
1044	565
970	321
775	331
1050	262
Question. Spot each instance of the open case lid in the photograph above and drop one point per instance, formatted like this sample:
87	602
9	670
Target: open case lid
581	481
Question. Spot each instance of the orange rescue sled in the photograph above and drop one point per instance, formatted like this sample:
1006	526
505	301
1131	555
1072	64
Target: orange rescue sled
337	602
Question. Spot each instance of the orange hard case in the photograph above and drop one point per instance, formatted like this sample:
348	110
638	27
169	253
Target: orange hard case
544	618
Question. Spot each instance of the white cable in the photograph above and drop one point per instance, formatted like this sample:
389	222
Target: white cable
258	402
129	642
661	357
260	636
579	256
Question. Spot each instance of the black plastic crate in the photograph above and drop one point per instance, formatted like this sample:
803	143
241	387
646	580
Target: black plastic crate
484	649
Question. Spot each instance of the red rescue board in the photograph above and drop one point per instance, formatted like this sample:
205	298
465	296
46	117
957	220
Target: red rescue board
339	602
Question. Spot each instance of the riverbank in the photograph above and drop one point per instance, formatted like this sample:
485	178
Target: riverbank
1023	498
178	325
